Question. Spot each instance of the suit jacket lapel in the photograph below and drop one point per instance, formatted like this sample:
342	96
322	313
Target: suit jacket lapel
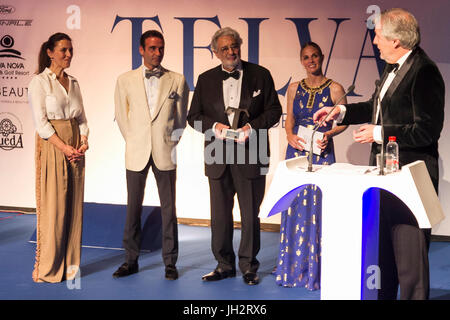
140	89
219	103
245	98
401	73
165	85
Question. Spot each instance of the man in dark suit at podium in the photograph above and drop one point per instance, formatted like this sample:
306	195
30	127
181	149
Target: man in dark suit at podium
235	165
411	91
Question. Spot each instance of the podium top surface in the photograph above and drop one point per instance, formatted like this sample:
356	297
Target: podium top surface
348	182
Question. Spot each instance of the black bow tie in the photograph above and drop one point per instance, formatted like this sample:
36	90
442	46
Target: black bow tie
392	67
235	74
153	73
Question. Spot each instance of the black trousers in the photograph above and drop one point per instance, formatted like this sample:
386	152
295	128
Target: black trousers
250	193
165	181
403	252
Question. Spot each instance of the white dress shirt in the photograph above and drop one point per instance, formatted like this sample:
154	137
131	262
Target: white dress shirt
377	129
232	91
49	100
151	90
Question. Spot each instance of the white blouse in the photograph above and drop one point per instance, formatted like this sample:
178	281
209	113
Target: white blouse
50	101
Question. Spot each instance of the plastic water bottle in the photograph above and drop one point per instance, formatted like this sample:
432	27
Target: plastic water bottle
392	164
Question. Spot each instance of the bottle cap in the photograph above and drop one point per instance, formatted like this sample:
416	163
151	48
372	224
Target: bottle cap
392	138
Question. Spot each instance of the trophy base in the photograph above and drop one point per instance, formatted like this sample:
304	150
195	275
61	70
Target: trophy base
232	134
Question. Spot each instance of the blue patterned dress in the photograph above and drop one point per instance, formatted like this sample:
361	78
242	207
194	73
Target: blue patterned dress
300	230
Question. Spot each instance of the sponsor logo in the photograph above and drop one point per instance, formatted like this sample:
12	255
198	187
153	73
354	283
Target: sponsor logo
14	92
16	22
11	132
6	9
8	42
11	66
11	70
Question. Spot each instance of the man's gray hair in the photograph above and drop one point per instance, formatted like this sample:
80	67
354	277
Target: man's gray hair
400	24
227	31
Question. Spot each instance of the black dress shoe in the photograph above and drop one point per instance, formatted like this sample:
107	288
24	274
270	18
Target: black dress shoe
171	273
251	278
125	270
219	274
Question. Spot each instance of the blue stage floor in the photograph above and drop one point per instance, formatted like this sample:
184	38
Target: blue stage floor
98	265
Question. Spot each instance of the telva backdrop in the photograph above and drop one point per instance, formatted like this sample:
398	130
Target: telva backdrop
105	36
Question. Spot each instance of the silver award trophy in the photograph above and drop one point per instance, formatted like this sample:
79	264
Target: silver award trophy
232	133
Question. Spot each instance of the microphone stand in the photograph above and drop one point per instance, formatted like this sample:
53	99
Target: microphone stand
377	102
350	89
381	173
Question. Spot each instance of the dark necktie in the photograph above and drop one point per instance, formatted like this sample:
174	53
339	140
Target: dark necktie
235	74
157	72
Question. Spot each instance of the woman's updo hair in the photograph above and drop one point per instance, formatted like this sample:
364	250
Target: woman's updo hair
44	60
311	44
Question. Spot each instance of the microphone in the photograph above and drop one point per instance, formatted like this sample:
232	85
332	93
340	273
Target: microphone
350	89
377	87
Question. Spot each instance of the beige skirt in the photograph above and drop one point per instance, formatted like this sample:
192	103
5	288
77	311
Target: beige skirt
59	206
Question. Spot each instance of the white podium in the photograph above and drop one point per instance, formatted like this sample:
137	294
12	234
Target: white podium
344	224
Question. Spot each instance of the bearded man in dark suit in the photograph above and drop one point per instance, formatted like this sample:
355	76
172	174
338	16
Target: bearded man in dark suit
235	165
411	97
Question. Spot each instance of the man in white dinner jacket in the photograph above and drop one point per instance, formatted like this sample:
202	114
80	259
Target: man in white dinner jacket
150	109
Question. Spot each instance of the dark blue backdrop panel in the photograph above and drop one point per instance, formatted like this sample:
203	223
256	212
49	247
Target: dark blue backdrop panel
103	226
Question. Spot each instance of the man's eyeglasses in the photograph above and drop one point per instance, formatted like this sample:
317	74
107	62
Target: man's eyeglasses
234	47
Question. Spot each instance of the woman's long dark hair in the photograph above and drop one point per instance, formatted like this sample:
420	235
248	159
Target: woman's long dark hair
44	60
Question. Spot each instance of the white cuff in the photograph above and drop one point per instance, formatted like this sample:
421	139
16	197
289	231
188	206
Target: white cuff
377	134
342	113
251	129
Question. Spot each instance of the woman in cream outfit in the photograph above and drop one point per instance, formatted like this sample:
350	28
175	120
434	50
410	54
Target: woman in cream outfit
61	142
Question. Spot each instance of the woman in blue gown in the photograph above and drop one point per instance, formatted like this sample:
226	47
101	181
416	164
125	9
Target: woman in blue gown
300	230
